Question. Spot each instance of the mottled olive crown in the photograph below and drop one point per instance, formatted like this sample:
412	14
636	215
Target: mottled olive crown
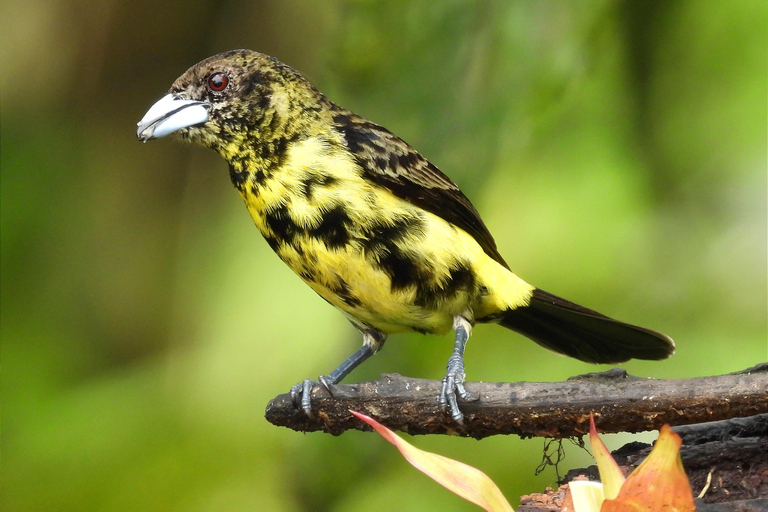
253	99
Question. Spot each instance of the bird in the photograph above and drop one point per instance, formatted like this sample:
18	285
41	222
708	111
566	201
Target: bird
371	225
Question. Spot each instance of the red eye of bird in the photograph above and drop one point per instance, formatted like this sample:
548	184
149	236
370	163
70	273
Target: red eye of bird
217	82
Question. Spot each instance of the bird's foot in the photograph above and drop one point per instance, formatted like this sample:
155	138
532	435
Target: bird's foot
453	387
301	394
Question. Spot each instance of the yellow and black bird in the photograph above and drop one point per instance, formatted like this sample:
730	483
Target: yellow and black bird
368	223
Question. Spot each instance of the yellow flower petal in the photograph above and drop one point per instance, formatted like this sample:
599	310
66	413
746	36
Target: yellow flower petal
471	484
587	496
659	483
610	474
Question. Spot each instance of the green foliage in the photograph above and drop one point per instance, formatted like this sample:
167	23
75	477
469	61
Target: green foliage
617	151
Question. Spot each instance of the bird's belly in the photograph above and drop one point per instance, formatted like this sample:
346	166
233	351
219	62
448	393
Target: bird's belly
355	283
407	270
393	293
382	261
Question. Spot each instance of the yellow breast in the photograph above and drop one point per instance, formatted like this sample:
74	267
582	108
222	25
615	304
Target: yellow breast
381	260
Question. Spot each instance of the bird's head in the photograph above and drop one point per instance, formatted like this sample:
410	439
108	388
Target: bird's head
233	100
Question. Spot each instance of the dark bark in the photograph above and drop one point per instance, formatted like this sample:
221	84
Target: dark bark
734	451
725	461
620	402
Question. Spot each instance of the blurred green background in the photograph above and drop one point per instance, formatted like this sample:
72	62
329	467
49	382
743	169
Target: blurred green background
617	150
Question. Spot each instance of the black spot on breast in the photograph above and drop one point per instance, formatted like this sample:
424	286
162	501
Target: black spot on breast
239	178
281	224
403	271
273	242
388	235
462	278
432	295
273	150
463	274
333	228
384	245
281	145
270	155
344	293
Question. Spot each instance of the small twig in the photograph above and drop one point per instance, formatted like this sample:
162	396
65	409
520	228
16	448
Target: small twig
621	403
706	484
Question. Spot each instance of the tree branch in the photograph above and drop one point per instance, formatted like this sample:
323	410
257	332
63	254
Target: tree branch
621	403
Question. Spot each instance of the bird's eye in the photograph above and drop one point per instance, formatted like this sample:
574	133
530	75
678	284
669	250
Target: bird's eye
217	82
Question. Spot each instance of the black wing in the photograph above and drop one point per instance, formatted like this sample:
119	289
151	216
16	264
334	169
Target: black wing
390	162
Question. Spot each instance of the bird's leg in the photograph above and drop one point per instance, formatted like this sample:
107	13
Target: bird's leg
301	393
453	382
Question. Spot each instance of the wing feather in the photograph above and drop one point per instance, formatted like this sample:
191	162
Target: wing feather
390	162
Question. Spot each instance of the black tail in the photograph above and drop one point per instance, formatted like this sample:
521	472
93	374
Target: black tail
576	331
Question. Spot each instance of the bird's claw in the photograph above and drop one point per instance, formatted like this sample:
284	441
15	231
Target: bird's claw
301	394
453	386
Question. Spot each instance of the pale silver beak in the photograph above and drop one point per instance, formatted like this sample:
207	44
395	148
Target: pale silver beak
170	114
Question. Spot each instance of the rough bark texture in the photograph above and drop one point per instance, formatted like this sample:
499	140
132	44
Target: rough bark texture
735	451
726	462
620	402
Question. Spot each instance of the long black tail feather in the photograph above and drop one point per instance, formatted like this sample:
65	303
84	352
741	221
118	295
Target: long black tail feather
578	332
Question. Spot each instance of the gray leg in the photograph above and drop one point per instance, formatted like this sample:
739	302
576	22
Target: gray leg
453	382
301	393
